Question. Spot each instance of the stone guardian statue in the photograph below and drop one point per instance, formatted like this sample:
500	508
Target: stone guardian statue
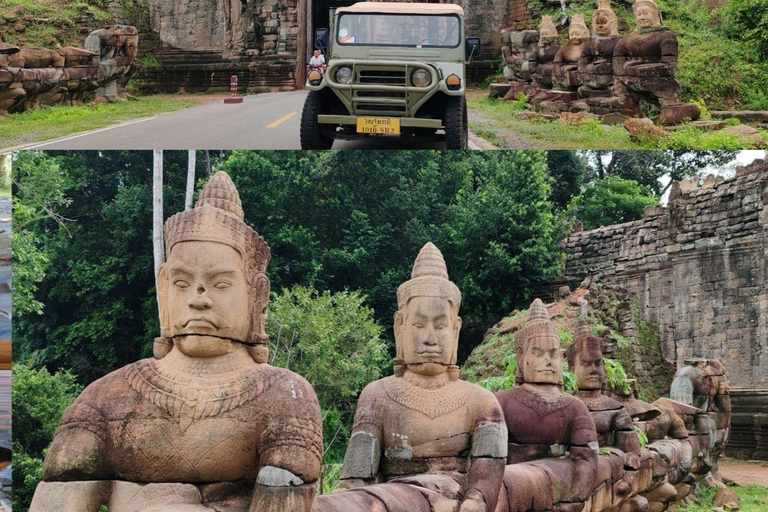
206	424
422	439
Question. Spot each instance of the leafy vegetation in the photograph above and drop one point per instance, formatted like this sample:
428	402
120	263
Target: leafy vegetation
322	336
39	400
611	200
46	23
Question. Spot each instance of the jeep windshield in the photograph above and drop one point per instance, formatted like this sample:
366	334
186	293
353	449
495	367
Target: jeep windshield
413	30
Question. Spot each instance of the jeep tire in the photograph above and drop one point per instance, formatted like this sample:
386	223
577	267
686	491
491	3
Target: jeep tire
313	135
456	124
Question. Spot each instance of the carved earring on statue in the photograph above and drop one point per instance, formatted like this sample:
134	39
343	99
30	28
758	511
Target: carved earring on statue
259	353
453	372
399	367
161	347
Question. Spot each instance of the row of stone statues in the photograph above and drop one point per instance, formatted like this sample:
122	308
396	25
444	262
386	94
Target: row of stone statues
32	77
601	74
207	425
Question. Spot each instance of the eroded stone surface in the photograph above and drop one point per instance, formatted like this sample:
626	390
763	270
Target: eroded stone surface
207	409
416	429
33	77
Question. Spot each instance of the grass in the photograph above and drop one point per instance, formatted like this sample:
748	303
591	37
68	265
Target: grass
51	122
591	134
49	22
754	498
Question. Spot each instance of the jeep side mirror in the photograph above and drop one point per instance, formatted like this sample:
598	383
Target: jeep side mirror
321	39
472	47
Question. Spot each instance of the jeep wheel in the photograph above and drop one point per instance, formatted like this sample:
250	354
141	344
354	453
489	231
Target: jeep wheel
313	135
456	125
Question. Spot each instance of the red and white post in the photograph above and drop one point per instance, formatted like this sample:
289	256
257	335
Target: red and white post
233	97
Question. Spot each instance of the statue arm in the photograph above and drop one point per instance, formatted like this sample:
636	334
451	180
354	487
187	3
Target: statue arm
583	452
626	439
78	448
363	457
486	471
291	450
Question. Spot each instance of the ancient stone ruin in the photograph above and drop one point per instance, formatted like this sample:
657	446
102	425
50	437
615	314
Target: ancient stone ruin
697	271
433	442
207	424
33	77
632	75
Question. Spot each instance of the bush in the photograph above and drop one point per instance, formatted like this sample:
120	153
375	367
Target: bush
611	200
331	340
39	400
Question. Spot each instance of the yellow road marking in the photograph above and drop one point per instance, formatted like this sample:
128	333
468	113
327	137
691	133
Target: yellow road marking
282	119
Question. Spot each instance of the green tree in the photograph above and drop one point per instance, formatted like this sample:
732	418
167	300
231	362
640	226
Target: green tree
38	184
333	222
568	170
39	400
647	167
331	340
747	20
611	200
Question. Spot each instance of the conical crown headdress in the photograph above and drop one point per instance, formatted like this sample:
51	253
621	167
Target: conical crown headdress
547	28
218	217
537	325
583	340
429	278
578	28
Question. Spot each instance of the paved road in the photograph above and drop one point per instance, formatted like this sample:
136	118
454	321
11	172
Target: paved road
262	121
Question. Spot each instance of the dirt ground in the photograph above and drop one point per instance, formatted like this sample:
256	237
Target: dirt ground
744	472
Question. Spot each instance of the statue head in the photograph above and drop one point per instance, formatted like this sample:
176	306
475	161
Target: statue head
547	31
585	358
647	14
213	288
537	346
427	321
604	21
578	31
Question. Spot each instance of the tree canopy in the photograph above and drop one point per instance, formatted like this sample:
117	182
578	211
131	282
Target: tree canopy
334	222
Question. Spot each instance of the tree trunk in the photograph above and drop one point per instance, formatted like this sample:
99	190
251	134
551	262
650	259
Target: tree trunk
190	179
207	163
157	210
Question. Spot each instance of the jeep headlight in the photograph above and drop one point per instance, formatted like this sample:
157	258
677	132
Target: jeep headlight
343	75
420	78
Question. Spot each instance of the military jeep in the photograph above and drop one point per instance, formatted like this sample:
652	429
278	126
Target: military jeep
393	69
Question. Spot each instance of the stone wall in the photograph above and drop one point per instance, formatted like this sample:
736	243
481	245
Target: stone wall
698	267
189	24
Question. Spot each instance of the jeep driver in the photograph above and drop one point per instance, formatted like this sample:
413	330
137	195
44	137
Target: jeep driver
393	69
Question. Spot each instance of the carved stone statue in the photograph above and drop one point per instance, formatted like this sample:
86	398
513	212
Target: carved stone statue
206	424
544	423
235	27
615	431
595	63
565	76
541	61
644	65
438	442
516	50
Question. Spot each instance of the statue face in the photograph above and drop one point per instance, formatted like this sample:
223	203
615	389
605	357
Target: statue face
428	333
207	296
589	369
601	25
542	361
647	17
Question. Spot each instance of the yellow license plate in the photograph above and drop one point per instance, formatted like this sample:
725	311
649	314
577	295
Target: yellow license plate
380	125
